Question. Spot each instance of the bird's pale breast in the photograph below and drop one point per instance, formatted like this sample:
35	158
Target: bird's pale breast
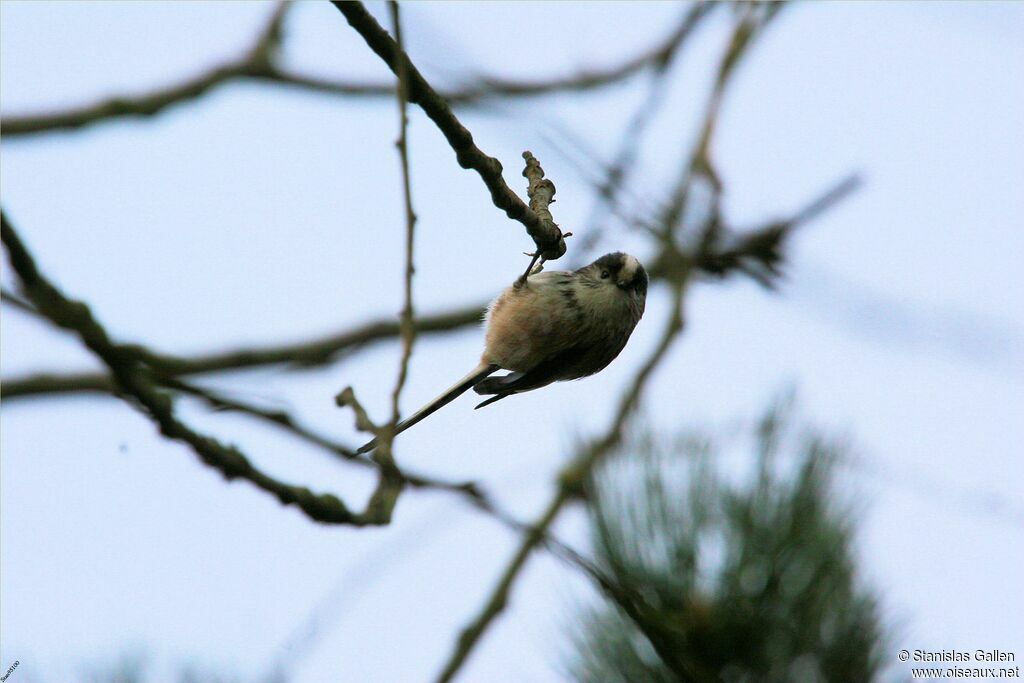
525	325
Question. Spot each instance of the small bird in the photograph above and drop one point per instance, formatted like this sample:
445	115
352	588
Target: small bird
551	327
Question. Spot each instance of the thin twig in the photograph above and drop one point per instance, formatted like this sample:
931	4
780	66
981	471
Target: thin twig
616	174
391	481
408	330
290	425
17	302
541	193
698	163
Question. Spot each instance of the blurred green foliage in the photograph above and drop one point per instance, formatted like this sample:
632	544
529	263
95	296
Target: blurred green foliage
752	577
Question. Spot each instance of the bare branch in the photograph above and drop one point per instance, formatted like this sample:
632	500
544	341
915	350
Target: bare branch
148	104
545	234
133	382
499	596
308	353
256	60
490	87
266	69
616	174
759	253
290	425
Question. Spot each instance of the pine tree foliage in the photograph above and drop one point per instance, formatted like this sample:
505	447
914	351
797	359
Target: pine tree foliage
755	580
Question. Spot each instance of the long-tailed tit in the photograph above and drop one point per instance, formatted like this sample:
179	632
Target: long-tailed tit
552	327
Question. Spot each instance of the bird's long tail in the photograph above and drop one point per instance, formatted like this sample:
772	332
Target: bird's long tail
452	393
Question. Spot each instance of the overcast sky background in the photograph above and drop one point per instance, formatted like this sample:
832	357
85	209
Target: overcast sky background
260	214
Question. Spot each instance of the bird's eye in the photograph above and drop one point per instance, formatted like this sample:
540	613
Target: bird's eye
604	274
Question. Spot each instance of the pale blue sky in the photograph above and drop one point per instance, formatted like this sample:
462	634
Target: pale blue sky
242	218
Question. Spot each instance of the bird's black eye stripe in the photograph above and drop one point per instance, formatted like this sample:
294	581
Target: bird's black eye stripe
604	274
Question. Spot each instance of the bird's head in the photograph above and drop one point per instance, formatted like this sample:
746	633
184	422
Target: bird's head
621	270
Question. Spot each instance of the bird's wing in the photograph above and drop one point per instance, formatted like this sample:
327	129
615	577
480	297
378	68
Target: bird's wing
573	362
548	371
